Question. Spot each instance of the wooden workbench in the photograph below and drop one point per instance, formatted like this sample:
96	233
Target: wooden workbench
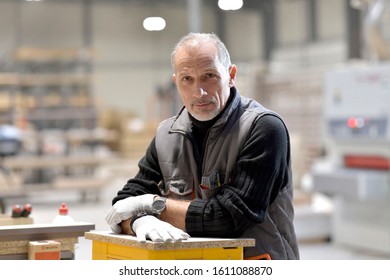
14	239
107	245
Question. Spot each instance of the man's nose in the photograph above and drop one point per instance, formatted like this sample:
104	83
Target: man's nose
200	92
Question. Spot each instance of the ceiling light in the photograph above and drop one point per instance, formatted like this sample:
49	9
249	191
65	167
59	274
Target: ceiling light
154	23
230	4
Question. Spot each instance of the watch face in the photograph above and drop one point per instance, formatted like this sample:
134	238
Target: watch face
159	205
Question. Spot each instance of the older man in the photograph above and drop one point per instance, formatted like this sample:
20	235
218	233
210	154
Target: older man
219	168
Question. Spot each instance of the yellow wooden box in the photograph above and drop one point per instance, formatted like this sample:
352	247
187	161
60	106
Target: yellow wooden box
111	246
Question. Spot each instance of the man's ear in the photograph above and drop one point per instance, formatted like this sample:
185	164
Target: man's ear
174	78
232	74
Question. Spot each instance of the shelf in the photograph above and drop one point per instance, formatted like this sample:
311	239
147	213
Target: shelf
29	54
33	80
49	88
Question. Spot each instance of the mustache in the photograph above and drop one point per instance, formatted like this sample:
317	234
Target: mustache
202	101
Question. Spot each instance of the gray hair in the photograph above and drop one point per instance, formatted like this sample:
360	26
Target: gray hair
223	53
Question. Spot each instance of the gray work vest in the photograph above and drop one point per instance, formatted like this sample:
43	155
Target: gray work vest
181	175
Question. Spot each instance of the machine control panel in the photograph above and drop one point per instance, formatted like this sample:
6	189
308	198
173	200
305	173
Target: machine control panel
357	103
358	127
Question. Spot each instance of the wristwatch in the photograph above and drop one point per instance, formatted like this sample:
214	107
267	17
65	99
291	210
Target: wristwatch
159	205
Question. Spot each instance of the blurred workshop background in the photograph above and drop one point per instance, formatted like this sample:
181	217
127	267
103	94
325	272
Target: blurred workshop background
84	83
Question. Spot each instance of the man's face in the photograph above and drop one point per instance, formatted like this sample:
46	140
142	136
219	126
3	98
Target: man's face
202	81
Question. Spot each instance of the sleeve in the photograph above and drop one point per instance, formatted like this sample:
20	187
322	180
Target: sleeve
262	170
147	178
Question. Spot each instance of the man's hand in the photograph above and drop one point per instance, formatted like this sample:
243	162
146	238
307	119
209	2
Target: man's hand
127	208
157	230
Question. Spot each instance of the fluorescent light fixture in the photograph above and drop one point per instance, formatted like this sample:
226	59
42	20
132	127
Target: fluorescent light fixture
230	4
154	23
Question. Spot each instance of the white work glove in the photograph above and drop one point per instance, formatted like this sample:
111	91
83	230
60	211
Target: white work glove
127	208
156	230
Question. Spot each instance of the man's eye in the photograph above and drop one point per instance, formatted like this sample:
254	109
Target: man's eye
187	79
210	76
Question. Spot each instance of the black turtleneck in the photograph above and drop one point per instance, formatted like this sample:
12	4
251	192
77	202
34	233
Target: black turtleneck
200	128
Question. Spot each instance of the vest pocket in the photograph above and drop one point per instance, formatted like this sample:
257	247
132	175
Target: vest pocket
211	184
179	187
207	193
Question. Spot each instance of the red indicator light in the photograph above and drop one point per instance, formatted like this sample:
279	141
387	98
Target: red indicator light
351	122
356	122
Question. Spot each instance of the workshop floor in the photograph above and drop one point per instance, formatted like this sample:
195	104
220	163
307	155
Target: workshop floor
46	203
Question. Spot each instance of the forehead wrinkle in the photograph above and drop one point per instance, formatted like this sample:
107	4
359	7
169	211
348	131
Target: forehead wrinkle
192	64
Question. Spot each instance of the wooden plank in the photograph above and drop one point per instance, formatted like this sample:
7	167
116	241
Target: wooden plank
198	242
53	54
50	162
7	220
44	231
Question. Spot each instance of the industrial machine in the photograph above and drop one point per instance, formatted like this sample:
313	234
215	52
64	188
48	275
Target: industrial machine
356	169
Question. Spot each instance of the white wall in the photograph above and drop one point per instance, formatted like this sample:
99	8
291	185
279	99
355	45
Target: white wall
242	28
50	24
331	19
7	29
291	22
132	62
